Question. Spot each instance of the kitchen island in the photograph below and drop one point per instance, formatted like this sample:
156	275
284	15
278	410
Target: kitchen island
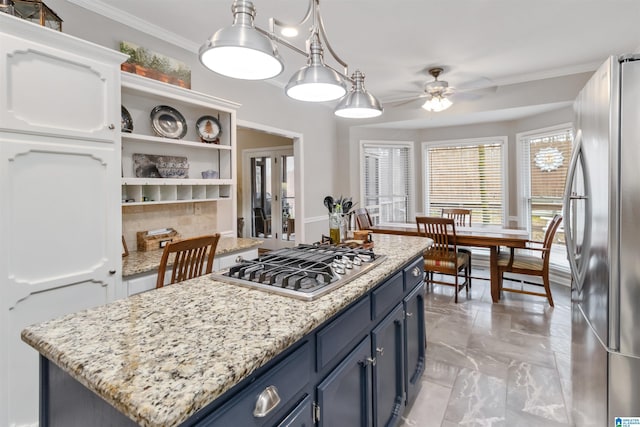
163	357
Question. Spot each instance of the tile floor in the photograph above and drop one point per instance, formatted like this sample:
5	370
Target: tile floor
504	364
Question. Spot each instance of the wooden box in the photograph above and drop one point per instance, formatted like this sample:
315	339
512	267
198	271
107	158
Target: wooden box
149	241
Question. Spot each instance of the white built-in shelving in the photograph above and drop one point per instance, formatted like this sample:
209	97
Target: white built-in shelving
139	96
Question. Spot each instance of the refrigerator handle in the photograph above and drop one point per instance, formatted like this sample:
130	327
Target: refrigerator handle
569	221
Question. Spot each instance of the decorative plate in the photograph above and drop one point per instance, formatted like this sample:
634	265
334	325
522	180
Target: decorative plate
208	128
168	122
126	122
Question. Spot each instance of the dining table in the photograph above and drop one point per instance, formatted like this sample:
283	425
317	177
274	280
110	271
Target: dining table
484	236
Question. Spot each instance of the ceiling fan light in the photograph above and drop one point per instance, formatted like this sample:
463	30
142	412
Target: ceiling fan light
240	51
437	104
358	103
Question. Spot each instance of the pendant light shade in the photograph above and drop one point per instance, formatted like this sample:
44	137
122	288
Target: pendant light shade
358	104
240	51
316	82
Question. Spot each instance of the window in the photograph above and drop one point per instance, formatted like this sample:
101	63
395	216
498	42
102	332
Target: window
387	177
544	156
466	174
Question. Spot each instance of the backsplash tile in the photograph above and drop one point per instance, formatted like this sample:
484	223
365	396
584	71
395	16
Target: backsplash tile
189	219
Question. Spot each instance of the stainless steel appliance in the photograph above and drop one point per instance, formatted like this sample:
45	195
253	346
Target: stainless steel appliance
305	271
602	225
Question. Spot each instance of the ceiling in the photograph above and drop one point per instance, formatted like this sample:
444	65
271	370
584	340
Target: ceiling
482	45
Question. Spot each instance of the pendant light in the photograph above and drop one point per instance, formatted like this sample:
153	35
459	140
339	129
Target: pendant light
245	51
358	104
316	82
240	51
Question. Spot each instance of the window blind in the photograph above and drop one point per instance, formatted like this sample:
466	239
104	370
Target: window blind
387	182
466	176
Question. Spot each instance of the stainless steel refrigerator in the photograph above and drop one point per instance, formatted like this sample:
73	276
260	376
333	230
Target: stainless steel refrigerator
602	225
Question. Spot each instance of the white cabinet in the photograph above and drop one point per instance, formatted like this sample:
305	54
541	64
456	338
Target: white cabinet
140	96
60	214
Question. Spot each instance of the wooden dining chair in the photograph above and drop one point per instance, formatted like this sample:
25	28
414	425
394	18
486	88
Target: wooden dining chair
193	258
462	217
363	219
534	263
443	256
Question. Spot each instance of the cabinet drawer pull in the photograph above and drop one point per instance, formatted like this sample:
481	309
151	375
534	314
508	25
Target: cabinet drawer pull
371	361
112	126
380	351
409	314
266	402
415	272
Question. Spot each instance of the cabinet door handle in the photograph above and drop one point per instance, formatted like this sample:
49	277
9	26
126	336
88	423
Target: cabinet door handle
368	361
415	272
112	126
266	402
112	272
380	351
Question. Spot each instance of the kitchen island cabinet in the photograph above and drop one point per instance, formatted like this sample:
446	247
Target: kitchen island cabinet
189	354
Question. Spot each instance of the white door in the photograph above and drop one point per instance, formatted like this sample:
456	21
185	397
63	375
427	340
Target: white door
270	202
58	255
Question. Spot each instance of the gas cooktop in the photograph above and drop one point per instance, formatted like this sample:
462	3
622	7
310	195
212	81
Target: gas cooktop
305	271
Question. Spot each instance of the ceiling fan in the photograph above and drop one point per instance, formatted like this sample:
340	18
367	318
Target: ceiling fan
437	93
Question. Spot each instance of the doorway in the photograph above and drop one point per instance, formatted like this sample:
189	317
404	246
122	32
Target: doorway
272	196
270	206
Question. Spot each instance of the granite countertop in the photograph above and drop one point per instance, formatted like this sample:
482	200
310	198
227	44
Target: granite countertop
144	262
160	356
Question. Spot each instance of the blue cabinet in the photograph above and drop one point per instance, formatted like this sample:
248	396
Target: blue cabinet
387	344
344	397
300	416
375	382
415	341
263	401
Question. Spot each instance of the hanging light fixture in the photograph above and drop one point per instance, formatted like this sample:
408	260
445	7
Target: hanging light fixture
236	51
240	51
316	82
437	92
358	104
437	103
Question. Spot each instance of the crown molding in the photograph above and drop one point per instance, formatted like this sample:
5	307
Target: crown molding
549	74
101	8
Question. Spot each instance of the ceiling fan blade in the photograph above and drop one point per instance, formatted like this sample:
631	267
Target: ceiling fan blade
473	94
403	101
